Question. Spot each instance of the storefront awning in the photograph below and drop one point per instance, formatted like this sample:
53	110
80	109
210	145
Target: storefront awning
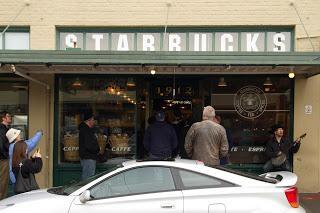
77	61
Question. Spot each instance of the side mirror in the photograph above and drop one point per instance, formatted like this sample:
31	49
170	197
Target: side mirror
85	196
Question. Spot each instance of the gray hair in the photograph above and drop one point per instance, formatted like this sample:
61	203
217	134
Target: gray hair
208	113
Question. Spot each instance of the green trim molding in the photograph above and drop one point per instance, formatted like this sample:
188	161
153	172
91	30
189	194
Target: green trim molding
79	57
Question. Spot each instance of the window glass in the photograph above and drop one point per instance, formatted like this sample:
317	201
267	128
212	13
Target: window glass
0	41
14	99
248	107
71	40
196	180
16	41
135	181
112	101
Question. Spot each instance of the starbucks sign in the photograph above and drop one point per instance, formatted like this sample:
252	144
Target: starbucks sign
250	102
206	40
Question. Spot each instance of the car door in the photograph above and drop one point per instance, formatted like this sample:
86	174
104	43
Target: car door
143	189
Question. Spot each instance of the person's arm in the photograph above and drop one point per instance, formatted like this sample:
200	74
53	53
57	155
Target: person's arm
174	144
224	146
146	139
4	143
188	146
295	147
11	174
33	142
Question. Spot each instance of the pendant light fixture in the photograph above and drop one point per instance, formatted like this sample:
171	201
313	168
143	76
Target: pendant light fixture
222	82
268	82
77	83
130	82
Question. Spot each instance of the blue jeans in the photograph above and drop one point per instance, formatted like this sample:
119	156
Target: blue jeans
88	168
268	167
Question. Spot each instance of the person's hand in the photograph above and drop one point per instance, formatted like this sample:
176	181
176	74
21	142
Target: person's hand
36	154
279	153
41	131
298	140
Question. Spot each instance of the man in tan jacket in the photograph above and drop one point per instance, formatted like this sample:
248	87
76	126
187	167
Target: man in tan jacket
207	140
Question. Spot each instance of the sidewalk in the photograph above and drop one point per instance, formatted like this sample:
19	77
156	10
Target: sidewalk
310	202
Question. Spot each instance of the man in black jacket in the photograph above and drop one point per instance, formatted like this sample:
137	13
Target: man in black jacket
278	149
88	146
4	153
160	139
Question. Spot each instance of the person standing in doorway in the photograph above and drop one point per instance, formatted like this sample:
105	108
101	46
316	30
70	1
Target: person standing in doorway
207	140
160	139
225	160
88	146
6	120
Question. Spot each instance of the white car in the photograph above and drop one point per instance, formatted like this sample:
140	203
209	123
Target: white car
177	186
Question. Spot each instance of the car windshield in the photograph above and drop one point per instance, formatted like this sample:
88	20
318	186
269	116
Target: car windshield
68	189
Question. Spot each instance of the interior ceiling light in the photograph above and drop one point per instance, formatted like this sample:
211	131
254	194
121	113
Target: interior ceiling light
77	83
222	82
131	83
267	82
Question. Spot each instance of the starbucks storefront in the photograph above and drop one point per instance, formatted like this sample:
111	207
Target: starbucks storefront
250	91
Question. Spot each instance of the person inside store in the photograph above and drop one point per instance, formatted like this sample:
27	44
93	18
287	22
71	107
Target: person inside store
207	140
225	160
181	125
21	162
88	145
13	136
6	120
160	139
278	149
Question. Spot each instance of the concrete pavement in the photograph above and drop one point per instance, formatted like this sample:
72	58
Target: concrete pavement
310	201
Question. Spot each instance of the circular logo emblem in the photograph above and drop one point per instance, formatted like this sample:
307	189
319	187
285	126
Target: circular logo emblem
250	102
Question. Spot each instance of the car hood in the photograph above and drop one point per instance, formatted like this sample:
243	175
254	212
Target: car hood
36	201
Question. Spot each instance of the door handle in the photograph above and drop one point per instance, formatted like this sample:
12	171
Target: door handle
167	206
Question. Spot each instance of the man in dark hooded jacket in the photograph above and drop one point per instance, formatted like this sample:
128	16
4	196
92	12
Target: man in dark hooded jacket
4	153
160	139
88	146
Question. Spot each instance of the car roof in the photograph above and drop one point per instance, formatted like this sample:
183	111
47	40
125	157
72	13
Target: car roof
161	162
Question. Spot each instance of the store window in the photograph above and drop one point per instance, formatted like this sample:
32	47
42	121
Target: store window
113	102
248	107
16	41
14	99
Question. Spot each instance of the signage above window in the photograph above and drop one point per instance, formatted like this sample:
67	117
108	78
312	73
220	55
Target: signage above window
206	41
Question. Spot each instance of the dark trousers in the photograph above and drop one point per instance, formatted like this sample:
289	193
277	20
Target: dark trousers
269	167
4	178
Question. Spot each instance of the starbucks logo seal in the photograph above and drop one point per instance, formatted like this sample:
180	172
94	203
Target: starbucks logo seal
250	102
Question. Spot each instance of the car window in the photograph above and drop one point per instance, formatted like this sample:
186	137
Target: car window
135	181
191	180
68	189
